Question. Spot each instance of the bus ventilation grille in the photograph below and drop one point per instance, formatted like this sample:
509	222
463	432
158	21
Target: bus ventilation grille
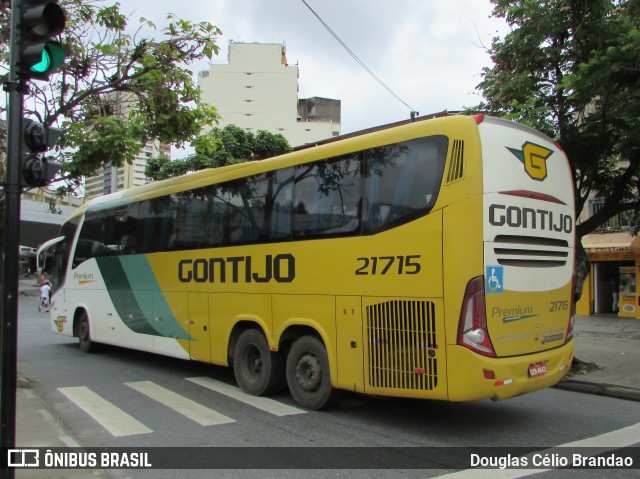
456	167
402	345
530	251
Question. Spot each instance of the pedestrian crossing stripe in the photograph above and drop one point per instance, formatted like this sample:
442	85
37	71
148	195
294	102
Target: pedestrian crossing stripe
118	423
263	403
110	417
188	408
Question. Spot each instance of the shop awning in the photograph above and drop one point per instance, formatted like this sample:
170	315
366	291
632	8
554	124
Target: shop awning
614	242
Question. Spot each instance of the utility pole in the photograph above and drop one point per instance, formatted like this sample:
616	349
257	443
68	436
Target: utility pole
34	56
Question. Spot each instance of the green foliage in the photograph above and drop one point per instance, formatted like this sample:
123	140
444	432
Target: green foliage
571	68
118	90
220	147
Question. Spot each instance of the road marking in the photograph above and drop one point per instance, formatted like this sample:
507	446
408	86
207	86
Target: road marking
627	436
112	418
188	408
62	434
265	404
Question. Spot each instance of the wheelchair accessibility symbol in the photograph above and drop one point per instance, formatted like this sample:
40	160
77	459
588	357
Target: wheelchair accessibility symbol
494	279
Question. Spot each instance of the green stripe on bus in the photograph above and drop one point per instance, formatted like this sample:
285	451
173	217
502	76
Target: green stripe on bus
127	305
143	279
137	297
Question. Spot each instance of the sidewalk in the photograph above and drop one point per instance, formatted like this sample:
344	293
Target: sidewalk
607	357
607	363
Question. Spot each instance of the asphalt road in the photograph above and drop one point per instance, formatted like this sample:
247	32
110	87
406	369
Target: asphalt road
168	402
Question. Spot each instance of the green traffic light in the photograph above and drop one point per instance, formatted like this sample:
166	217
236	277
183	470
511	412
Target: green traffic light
52	57
44	64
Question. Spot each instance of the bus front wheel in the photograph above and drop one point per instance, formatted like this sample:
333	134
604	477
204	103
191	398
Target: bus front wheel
258	371
308	374
84	334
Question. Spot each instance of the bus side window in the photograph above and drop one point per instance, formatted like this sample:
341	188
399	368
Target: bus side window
88	245
327	198
278	205
155	224
402	181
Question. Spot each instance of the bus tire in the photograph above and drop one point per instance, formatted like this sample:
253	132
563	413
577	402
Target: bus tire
84	334
308	375
258	371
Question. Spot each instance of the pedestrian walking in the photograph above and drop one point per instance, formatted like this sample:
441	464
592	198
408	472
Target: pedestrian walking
45	294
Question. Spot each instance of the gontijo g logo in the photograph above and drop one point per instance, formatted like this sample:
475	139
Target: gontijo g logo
534	157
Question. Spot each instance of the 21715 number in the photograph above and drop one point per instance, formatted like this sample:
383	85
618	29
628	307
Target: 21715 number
389	264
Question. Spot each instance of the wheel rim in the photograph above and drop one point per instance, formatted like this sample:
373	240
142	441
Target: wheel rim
309	373
253	363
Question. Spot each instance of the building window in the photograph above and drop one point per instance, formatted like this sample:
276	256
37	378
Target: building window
623	220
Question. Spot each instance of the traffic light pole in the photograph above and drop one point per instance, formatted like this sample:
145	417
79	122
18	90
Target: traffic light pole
34	56
10	248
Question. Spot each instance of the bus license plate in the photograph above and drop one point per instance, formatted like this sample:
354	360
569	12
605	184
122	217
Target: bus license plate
537	369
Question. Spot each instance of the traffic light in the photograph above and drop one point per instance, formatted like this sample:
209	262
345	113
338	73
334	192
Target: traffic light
37	138
40	21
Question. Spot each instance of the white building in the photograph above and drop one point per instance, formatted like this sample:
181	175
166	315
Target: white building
258	90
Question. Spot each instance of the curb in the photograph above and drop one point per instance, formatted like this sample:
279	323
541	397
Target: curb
600	389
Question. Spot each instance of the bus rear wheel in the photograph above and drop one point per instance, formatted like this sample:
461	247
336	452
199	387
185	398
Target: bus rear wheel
258	371
308	374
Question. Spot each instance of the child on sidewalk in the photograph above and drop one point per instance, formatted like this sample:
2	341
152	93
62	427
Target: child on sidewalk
45	292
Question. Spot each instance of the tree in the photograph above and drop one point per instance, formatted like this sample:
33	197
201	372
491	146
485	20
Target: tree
220	147
571	69
117	90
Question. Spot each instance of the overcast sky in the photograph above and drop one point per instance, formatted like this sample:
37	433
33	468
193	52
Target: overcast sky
429	52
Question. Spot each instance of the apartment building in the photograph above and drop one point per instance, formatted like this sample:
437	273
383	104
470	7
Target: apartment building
258	90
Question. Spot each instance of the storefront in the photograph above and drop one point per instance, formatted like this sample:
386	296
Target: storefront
611	287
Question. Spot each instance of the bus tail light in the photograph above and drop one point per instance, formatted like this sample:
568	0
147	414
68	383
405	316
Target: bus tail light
472	328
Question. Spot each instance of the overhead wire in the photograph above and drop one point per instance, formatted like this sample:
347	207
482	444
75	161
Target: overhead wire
360	62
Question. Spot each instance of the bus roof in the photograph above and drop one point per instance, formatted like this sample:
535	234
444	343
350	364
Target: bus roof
331	147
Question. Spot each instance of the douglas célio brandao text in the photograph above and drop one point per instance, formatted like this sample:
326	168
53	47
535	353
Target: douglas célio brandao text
615	459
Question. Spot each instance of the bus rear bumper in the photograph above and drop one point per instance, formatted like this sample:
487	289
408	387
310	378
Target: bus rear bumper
471	376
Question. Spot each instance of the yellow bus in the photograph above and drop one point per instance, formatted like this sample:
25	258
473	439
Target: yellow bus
429	260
